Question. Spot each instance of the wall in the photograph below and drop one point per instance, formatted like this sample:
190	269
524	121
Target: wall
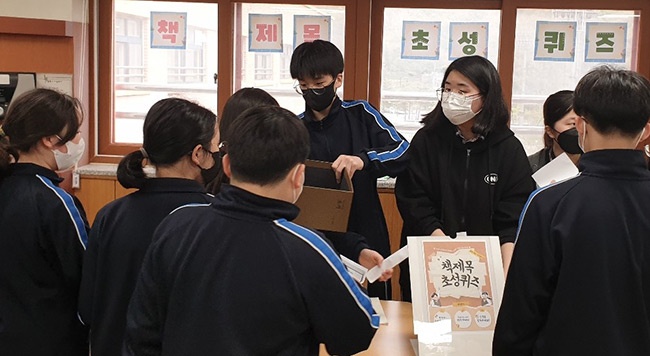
64	10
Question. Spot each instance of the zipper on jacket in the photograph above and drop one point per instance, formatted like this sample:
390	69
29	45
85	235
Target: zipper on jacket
462	218
327	141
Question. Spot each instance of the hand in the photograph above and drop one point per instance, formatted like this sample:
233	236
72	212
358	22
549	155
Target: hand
438	232
370	258
350	163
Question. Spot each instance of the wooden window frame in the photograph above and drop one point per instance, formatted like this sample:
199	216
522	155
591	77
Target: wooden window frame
103	150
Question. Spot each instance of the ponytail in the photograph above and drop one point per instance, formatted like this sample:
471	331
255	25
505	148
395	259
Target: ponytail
8	154
130	173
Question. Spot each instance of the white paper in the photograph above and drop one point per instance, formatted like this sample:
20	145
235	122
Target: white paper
356	271
558	169
389	262
379	310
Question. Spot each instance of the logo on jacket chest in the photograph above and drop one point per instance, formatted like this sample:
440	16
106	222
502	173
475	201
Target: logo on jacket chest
491	178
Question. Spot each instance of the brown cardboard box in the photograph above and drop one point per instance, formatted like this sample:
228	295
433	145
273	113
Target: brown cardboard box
324	204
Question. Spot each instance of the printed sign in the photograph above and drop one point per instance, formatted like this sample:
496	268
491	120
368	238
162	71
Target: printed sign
468	38
555	41
420	40
264	33
606	42
457	279
168	30
310	28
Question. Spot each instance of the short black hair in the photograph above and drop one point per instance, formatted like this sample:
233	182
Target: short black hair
555	107
241	100
171	130
484	75
316	59
270	141
613	100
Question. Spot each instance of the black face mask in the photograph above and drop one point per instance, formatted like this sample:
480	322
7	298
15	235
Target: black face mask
211	173
568	141
320	102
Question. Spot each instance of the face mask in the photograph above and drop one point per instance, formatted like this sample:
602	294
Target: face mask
320	102
209	174
641	135
457	108
68	160
568	141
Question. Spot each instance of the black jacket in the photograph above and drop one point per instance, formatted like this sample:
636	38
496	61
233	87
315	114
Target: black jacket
119	239
43	232
540	158
357	128
237	278
579	281
479	187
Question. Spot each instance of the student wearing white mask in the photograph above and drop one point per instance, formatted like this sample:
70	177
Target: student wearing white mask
468	172
44	229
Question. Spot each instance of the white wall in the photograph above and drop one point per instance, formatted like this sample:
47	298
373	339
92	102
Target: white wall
64	10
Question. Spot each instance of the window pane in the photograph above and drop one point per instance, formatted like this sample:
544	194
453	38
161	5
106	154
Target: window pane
534	80
269	69
144	74
408	88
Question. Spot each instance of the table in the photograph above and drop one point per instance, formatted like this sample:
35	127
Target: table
395	338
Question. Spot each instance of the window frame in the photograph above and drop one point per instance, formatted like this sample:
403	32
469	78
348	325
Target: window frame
103	150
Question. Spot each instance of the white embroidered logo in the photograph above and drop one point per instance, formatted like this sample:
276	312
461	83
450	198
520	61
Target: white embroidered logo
491	179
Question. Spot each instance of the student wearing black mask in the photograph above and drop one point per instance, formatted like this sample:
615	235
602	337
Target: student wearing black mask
356	138
180	141
560	134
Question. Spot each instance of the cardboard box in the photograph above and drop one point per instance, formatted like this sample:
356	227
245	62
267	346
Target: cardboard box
324	204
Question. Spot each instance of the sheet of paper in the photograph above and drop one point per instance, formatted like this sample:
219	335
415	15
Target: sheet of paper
376	304
389	262
558	169
357	271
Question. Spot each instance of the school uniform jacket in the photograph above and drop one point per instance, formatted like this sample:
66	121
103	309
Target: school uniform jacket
119	239
478	187
237	278
43	233
579	280
357	128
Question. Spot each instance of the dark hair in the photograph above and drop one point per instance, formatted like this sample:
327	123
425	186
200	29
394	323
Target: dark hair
482	73
613	100
555	107
172	128
36	114
315	59
270	141
241	100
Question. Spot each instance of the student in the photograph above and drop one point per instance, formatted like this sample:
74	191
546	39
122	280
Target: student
241	100
236	277
468	172
351	245
560	134
180	141
580	272
354	136
43	230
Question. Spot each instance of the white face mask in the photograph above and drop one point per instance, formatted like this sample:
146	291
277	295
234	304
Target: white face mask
457	107
68	160
581	140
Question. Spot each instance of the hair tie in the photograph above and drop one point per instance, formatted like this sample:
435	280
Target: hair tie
144	153
2	133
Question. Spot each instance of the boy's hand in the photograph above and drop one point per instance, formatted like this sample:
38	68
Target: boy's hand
370	258
350	163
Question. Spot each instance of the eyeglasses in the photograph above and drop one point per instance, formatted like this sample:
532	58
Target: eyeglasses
443	95
317	91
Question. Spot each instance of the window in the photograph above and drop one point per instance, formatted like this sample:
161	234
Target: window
188	66
532	83
267	67
416	52
129	66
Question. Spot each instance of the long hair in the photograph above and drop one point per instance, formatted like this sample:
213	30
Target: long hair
485	77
